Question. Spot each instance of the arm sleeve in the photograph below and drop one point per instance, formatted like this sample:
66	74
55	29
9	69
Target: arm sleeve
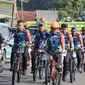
71	40
80	39
62	40
28	36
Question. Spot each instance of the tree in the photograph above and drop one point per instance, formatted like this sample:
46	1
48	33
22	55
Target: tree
50	4
71	8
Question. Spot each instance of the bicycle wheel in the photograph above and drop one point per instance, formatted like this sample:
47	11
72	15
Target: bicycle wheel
40	67
13	78
18	77
84	63
20	67
47	72
84	67
71	71
74	69
35	69
14	70
55	79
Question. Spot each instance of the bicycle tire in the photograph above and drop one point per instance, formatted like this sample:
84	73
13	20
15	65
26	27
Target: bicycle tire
47	73
83	63
74	69
35	69
40	68
13	78
55	81
14	71
19	68
71	71
84	67
59	78
18	77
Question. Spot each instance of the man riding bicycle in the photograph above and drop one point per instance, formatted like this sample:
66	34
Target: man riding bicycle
78	46
40	36
83	35
56	44
69	46
22	37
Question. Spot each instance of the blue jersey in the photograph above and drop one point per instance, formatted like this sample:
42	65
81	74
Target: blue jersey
20	38
83	37
76	41
67	42
40	37
53	43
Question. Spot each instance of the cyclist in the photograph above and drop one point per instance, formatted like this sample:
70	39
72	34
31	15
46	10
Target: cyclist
40	36
56	45
22	37
83	35
78	46
56	42
69	46
83	51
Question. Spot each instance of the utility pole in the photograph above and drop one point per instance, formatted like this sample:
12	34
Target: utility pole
13	12
23	1
12	16
22	9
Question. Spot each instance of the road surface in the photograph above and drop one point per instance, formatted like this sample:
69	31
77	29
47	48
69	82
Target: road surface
5	78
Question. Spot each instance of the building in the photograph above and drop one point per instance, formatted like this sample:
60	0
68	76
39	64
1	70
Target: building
8	11
27	15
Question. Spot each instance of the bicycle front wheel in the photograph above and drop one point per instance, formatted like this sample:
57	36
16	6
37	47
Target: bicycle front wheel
15	66
35	69
47	73
57	78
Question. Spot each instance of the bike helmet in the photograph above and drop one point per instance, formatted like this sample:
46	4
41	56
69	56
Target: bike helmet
54	25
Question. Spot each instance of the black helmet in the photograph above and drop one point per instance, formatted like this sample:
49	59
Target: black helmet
64	26
83	29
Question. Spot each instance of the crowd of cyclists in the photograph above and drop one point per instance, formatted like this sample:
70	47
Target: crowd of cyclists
56	42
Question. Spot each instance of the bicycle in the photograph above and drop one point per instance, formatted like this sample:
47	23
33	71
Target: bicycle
72	67
83	59
53	74
17	64
38	64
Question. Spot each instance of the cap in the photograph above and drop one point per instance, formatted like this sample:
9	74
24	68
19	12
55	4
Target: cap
41	24
74	28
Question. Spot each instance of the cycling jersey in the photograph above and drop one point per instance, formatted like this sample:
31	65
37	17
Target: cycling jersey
55	42
83	37
77	39
22	38
40	37
68	41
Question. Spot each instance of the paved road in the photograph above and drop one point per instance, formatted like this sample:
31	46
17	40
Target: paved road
5	79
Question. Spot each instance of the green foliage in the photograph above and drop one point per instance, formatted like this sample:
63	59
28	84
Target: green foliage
50	4
71	8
